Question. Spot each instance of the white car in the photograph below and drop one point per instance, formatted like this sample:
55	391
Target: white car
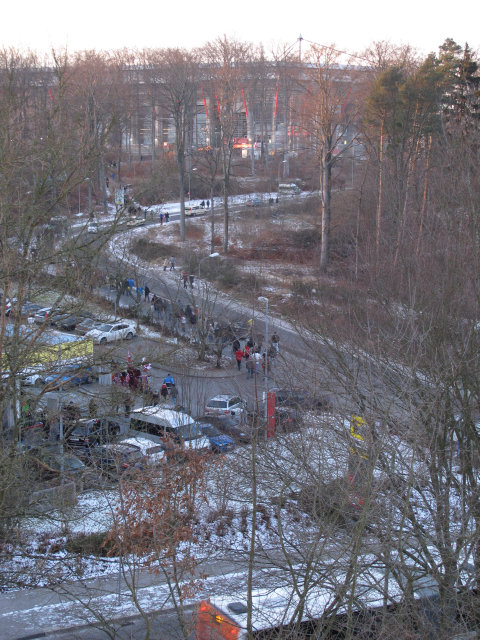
42	315
153	452
92	227
110	332
225	405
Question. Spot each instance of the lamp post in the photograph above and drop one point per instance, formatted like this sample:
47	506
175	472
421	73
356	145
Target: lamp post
212	255
264	299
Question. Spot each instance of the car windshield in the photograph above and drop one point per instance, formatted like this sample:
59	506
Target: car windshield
81	430
217	404
209	430
156	449
104	327
189	431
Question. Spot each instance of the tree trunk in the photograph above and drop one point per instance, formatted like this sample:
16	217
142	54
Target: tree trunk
326	208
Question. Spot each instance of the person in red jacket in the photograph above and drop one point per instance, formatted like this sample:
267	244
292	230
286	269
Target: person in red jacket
238	357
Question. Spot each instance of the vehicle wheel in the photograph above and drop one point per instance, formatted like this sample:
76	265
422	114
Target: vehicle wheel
129	336
103	341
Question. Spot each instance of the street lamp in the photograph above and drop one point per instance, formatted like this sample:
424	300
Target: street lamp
264	299
212	255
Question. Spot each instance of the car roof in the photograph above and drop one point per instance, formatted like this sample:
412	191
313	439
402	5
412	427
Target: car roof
174	417
144	444
222	396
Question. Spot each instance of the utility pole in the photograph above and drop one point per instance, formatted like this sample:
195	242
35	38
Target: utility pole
300	38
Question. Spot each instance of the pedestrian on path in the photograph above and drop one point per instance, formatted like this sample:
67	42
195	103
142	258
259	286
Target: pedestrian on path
185	279
164	392
167	216
191	277
275	341
147	293
174	394
250	365
238	358
169	380
165	264
161	218
172	263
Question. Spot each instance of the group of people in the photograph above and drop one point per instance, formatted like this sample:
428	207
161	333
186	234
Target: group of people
203	204
169	389
187	278
254	356
169	262
164	217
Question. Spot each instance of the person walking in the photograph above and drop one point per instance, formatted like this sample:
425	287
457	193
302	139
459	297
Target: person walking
191	277
185	279
174	394
208	204
250	365
147	293
165	264
275	341
92	408
172	263
164	392
167	216
238	358
161	218
168	380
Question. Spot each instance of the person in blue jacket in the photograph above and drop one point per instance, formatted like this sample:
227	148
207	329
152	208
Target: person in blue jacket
169	381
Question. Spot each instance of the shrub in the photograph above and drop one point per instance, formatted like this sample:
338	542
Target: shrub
93	544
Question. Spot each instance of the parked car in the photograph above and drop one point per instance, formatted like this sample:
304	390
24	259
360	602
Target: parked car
42	315
113	460
225	405
72	376
110	332
191	211
92	227
228	425
177	429
30	309
92	432
31	378
64	321
135	222
299	399
153	452
10	305
219	442
49	463
85	325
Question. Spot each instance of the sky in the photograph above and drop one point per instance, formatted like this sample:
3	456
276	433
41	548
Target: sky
350	26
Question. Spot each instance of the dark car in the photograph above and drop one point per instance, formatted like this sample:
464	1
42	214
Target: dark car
298	399
92	432
49	463
64	321
30	308
86	324
231	427
219	442
113	460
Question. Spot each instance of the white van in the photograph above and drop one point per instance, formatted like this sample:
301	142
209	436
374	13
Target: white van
171	425
289	189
